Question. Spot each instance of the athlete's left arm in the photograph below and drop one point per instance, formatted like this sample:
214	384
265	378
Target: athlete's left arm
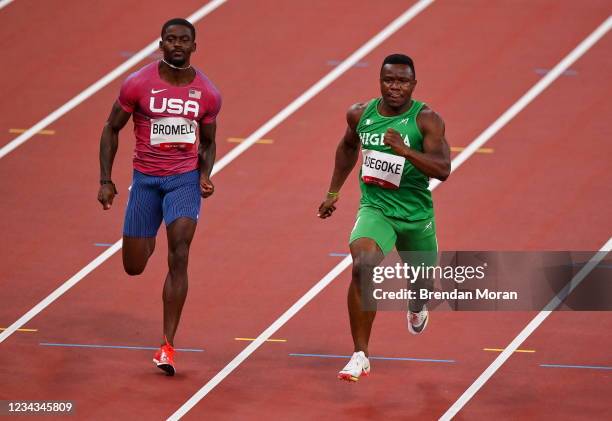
434	161
207	150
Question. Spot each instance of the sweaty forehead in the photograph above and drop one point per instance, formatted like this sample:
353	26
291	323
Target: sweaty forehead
178	31
396	70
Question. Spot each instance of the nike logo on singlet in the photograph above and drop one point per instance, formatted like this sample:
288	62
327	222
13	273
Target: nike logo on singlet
156	91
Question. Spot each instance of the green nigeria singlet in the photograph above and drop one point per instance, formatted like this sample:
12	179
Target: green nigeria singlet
390	182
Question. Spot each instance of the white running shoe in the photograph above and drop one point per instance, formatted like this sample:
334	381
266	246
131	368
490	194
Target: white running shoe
358	365
417	322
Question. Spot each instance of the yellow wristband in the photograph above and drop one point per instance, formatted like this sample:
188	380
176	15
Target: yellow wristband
332	194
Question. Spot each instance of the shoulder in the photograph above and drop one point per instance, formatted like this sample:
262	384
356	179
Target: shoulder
428	119
144	73
207	85
354	113
140	76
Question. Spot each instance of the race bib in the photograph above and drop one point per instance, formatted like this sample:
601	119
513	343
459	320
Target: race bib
173	133
382	169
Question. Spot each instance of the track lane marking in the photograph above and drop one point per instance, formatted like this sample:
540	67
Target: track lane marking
131	347
530	95
233	154
20	330
4	3
591	367
100	83
472	148
502	350
538	88
43	132
461	148
420	360
241	139
267	340
526	332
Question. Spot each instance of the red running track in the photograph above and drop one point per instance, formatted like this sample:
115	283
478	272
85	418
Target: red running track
262	217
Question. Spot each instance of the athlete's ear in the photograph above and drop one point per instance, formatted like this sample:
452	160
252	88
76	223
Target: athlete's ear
160	44
194	46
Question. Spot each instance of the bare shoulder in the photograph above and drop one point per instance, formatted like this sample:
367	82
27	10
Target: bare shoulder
354	113
429	120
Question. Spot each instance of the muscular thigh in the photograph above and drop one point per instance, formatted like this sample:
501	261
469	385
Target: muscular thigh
373	225
182	198
143	214
416	241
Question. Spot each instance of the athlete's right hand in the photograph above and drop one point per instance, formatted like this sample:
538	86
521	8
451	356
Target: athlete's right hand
106	194
327	207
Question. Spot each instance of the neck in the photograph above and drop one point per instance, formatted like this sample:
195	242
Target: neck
180	76
389	111
172	66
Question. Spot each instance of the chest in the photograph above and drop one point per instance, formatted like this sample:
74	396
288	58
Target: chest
184	101
372	130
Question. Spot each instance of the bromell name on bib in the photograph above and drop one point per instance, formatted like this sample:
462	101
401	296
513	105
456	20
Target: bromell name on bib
173	132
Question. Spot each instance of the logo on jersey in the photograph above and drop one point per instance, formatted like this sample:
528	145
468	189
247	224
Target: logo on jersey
376	139
174	106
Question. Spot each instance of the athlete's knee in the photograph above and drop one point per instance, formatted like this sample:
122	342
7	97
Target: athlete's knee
363	266
178	255
133	269
135	254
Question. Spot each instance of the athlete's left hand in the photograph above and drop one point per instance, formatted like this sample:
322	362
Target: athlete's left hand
207	188
394	140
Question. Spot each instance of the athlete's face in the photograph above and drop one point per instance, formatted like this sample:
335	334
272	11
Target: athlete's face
177	45
396	84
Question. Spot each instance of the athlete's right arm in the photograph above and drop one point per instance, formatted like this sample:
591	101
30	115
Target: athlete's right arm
109	142
347	153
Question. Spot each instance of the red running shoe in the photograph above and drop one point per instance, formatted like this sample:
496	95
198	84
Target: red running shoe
164	359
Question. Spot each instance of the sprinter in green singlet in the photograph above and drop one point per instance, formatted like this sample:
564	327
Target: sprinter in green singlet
403	146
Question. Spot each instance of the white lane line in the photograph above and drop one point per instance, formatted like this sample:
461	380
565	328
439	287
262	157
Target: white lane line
61	290
528	330
266	334
4	3
101	83
338	71
531	94
354	58
561	67
230	156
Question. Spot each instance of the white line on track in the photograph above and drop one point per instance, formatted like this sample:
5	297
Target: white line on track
61	290
528	330
561	67
531	94
100	83
338	71
235	152
4	3
327	279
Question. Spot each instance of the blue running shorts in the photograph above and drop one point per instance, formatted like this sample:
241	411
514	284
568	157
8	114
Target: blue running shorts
155	198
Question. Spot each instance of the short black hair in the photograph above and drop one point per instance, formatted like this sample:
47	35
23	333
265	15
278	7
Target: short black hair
399	59
179	21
